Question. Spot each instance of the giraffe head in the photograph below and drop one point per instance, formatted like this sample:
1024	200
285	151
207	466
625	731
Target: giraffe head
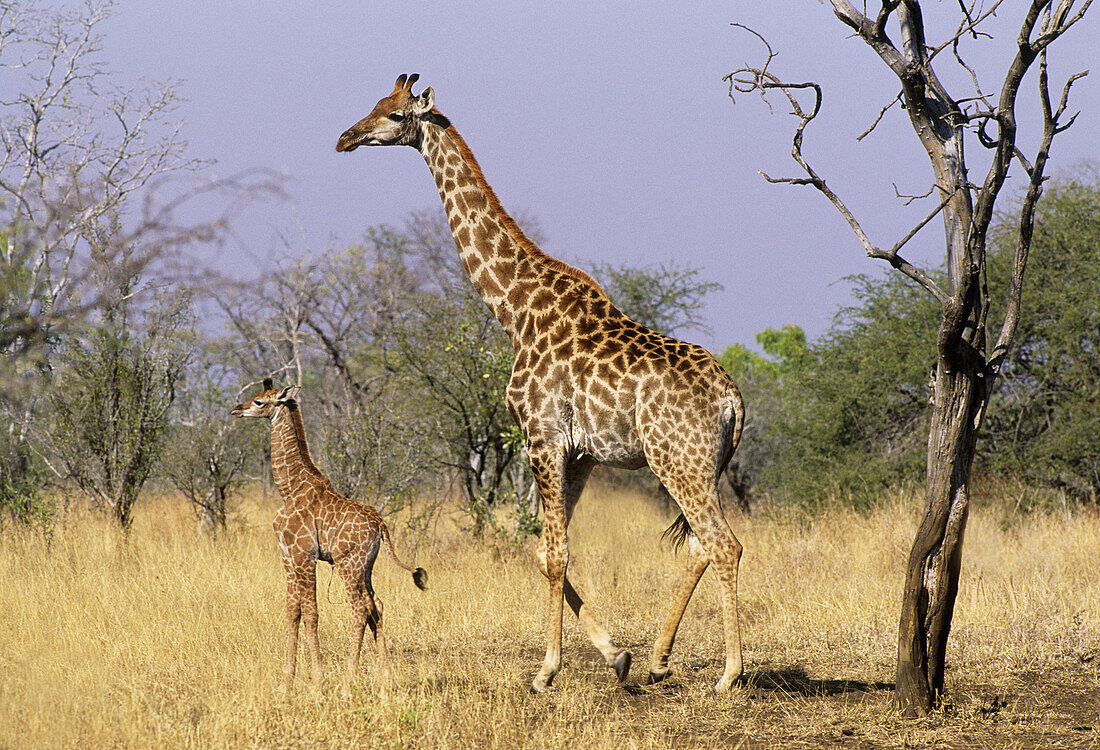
264	403
394	121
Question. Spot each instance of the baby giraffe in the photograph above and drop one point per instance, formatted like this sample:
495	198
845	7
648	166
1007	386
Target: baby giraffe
317	523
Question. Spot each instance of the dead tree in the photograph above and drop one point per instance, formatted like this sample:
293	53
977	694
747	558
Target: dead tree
967	361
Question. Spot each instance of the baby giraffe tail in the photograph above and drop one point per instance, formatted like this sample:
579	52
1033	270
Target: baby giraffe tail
420	576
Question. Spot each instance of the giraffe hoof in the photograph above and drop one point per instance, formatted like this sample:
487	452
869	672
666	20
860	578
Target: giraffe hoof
537	687
622	665
655	677
723	685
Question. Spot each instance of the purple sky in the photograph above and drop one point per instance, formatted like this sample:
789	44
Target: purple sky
608	122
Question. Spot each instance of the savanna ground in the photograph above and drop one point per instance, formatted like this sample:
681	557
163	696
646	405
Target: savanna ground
171	639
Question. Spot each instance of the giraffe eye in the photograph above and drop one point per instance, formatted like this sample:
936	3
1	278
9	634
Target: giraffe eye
397	116
257	402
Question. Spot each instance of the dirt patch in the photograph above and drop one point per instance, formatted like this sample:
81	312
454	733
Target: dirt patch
792	708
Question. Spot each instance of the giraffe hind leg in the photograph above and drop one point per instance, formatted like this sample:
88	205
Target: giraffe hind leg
353	584
713	543
366	609
697	564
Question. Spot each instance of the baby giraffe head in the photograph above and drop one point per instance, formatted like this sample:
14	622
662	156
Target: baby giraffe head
394	121
264	403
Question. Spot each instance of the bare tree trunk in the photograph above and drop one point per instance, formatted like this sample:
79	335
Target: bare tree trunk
932	574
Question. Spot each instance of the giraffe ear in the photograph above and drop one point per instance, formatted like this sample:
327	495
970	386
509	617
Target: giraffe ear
289	393
423	104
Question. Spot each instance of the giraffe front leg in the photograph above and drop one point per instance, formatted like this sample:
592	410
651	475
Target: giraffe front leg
553	559
575	476
308	596
547	464
293	618
662	648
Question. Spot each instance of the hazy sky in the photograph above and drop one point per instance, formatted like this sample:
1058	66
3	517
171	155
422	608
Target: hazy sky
608	122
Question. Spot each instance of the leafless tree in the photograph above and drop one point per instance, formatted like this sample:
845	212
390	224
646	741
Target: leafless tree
94	180
209	453
91	173
967	362
268	322
326	319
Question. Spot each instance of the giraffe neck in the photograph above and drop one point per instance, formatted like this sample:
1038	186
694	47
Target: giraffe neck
507	269
291	464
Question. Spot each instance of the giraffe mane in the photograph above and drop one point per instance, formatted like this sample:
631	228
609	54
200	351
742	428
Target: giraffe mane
513	229
301	442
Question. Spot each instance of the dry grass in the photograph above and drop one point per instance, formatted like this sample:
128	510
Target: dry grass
169	639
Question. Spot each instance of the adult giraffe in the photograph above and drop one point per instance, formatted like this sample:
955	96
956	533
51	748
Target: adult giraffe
589	385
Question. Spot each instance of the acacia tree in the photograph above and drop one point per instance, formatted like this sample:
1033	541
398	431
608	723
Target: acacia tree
967	363
666	297
208	453
114	388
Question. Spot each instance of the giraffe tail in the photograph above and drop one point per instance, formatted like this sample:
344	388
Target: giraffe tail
678	532
420	576
737	407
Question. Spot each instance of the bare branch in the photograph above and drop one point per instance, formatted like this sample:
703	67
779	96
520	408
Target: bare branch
910	198
918	227
1026	222
968	26
758	79
771	54
881	114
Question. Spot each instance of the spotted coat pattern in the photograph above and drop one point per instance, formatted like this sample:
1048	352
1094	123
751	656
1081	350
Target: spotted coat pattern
588	386
316	523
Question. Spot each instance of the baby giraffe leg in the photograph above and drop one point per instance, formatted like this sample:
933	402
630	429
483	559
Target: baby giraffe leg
374	619
306	574
293	617
360	612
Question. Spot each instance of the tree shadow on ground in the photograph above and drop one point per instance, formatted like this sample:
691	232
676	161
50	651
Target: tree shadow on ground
795	681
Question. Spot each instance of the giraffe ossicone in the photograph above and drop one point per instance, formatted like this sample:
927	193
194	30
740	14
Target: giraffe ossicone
588	386
316	523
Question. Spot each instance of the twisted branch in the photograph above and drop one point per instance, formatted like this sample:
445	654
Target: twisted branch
747	80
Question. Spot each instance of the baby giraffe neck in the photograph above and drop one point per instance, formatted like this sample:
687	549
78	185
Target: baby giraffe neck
291	464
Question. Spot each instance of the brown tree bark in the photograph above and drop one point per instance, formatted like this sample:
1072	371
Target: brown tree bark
932	573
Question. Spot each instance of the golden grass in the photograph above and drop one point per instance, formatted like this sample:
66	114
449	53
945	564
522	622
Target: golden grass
171	639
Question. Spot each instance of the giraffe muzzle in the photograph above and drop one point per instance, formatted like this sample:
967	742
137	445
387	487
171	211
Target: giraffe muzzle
347	142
